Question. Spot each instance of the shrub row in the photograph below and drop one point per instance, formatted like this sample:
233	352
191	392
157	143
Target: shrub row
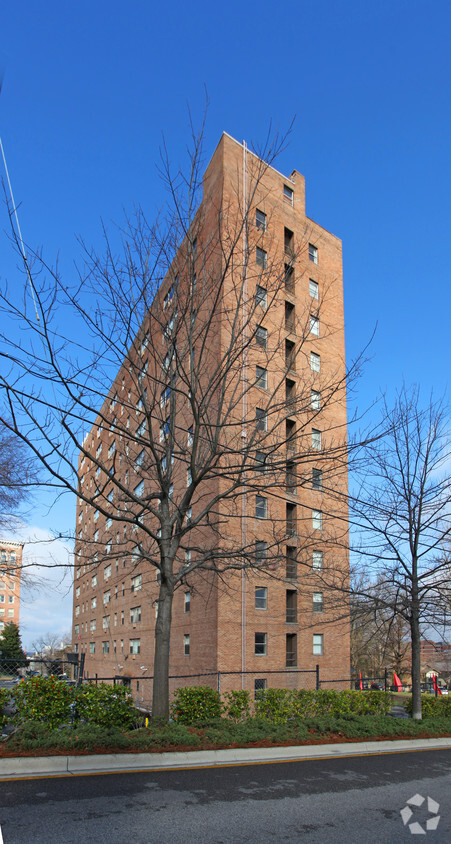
50	701
36	736
4	698
431	706
200	703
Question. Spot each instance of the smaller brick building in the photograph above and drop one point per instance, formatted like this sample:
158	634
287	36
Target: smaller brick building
10	574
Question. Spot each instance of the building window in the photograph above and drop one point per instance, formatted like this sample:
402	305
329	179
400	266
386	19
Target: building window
317	479
314	325
289	241
92	647
107	597
105	647
140	459
261	377
261	552
316	439
260	644
261	419
77	591
190	436
261	257
318	644
135	615
260	461
317	519
136	583
317	602
93	603
261	507
290	477
139	489
290	355
315	400
259	687
317	560
112	449
106	622
289	279
260	219
291	608
107	572
291	563
290	391
291	650
261	598
77	608
260	296
135	646
315	362
261	336
313	288
141	430
186	644
122	617
187	601
187	558
291	519
288	194
289	317
313	253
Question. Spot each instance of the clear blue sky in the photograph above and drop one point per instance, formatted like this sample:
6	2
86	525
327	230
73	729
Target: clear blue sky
89	88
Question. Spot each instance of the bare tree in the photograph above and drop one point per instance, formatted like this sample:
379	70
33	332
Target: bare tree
379	638
400	508
17	475
170	324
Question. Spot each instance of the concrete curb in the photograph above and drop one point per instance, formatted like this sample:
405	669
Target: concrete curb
22	767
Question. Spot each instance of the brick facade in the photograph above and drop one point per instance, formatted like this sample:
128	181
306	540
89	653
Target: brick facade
280	615
10	576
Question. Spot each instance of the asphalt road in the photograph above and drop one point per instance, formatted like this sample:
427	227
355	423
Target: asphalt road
353	799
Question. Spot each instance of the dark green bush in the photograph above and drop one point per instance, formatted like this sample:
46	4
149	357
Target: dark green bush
4	700
274	705
236	705
195	704
432	706
54	702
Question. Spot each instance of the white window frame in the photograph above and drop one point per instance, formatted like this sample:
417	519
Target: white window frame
317	519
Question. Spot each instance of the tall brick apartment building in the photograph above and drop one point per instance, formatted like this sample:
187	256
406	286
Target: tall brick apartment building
224	428
10	574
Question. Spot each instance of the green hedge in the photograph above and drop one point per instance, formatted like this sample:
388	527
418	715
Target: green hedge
431	706
280	704
49	700
195	703
4	698
201	703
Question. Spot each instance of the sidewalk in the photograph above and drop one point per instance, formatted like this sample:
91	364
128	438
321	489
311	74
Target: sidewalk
56	766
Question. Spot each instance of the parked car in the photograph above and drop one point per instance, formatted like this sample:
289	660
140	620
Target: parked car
365	685
378	686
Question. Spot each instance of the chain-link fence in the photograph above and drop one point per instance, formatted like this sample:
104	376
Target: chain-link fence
223	681
12	670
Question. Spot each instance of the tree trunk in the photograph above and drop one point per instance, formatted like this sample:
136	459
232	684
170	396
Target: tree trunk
160	697
416	648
